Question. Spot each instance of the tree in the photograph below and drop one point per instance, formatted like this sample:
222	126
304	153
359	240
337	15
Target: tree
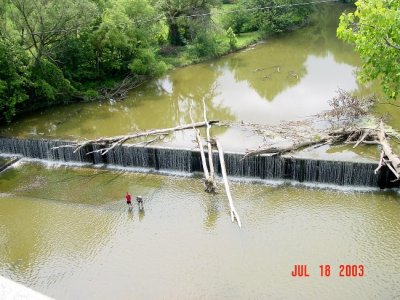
239	19
232	38
14	78
43	23
127	39
183	18
273	16
374	30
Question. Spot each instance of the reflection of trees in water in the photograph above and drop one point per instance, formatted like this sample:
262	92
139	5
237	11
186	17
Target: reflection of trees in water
195	84
174	93
280	63
323	38
271	68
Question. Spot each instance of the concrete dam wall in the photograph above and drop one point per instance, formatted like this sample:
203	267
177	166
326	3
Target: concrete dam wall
186	160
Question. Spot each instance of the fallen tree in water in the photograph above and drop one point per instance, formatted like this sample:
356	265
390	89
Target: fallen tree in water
388	157
234	214
209	176
209	183
110	143
120	90
339	136
212	185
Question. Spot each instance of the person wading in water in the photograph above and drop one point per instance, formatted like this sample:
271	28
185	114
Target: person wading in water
140	202
128	198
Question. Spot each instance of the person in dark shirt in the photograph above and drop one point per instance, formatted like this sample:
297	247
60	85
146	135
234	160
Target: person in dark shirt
140	202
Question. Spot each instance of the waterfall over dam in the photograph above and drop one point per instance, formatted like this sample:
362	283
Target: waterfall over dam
186	160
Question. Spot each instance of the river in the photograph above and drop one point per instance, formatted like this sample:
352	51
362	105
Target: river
65	231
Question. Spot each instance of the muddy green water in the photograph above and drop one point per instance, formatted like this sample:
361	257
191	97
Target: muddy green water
288	77
67	233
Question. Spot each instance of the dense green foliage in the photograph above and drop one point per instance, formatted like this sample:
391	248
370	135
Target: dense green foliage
374	29
273	16
54	51
14	76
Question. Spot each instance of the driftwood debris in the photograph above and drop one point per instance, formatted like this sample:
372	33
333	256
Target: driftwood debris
234	214
342	136
273	150
301	142
388	157
112	142
345	108
120	91
353	135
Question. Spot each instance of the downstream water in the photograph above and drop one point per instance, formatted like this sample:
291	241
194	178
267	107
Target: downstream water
288	77
67	233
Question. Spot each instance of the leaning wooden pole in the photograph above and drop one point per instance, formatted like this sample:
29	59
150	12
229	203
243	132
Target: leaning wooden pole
234	213
202	154
211	182
209	147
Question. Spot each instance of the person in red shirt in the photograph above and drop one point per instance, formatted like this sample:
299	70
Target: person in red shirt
128	198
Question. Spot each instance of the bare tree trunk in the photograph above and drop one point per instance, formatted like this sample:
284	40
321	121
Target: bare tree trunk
213	186
283	150
200	144
209	183
119	140
234	213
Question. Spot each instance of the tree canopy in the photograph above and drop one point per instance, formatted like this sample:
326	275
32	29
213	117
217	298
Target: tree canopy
374	29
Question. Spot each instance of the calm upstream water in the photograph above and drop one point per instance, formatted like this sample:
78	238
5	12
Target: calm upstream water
68	234
288	77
